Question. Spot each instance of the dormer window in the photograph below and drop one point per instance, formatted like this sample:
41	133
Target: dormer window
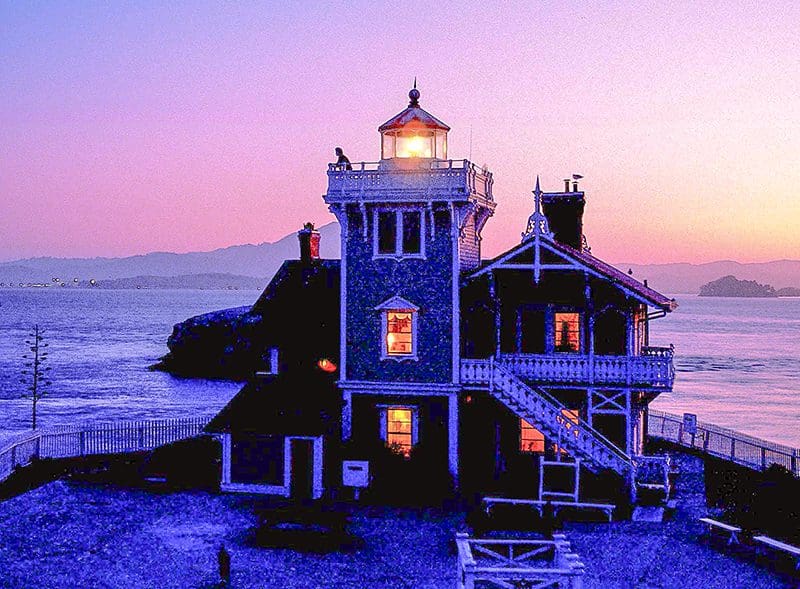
398	329
399	233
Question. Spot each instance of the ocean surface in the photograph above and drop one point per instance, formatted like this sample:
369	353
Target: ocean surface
737	360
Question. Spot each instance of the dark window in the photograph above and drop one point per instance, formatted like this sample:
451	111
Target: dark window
411	232
532	331
257	459
387	232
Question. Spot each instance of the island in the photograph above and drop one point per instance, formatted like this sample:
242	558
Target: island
730	286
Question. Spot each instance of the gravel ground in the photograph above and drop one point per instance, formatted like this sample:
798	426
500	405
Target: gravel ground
68	534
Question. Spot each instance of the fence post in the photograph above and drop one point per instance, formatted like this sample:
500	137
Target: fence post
763	458
13	457
733	449
141	437
794	463
83	442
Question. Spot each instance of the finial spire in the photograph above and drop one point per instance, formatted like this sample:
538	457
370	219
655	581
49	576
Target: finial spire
537	222
413	95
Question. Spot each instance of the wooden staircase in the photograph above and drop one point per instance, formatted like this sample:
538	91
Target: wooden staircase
538	407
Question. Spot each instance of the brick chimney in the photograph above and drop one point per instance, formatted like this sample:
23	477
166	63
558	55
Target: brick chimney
309	243
564	212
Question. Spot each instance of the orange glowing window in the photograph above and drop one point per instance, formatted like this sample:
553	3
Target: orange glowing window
399	333
399	430
326	365
569	421
567	332
530	438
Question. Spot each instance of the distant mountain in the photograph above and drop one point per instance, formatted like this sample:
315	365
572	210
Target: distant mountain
683	278
261	261
189	281
730	286
254	261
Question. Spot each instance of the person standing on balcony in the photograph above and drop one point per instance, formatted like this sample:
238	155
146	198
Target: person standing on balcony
342	159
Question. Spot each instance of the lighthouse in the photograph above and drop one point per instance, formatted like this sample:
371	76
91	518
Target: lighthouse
410	225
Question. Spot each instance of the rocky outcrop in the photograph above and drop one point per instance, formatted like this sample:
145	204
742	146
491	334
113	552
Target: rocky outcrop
222	344
730	286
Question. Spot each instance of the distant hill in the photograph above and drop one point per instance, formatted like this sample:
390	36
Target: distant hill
188	281
730	286
683	278
254	261
262	260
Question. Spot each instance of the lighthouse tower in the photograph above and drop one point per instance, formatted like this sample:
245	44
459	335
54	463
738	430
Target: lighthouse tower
411	224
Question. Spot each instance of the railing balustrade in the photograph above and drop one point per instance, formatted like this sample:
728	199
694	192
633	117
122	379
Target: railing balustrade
90	439
431	175
723	443
654	370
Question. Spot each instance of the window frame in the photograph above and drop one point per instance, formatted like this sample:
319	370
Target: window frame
398	253
384	424
399	305
552	343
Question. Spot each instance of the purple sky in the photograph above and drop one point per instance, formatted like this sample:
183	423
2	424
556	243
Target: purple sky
125	129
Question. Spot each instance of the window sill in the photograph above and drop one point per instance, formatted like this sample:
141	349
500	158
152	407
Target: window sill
399	257
413	358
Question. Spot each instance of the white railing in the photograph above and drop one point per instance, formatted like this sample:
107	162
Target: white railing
539	407
651	371
517	563
90	439
723	443
430	176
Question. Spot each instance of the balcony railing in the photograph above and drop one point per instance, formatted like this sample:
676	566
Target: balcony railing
429	178
655	370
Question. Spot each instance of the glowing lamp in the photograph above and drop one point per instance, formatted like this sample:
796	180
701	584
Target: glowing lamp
413	133
326	365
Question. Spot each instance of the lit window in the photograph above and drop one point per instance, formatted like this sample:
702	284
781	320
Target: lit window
567	332
399	233
399	333
399	430
530	438
398	329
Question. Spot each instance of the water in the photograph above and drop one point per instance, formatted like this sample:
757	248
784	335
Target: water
737	363
737	360
100	345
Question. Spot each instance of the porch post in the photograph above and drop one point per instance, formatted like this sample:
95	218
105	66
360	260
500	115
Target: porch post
493	296
452	436
226	459
347	415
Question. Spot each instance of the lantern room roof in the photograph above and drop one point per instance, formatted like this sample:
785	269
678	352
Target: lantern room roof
413	114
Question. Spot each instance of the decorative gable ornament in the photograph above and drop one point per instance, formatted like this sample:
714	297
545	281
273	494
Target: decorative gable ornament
397	303
537	222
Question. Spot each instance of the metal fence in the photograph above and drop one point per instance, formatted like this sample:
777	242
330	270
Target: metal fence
93	439
723	443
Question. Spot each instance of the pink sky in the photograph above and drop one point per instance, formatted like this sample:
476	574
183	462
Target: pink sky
125	130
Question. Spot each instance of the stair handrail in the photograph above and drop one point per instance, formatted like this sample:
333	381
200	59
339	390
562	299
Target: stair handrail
608	444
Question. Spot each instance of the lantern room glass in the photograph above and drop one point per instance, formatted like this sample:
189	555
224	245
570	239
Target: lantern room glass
414	143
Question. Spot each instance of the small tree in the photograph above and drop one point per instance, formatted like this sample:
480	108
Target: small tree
34	373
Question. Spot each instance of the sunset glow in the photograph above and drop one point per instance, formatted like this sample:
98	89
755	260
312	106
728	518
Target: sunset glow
188	128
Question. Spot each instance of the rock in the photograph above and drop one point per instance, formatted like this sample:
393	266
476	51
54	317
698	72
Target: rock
730	286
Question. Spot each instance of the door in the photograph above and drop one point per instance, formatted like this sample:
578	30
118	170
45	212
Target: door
302	469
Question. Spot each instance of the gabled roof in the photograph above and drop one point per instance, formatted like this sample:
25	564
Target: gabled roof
304	402
584	261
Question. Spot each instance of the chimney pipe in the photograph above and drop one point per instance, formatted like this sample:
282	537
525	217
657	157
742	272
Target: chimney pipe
309	243
575	186
566	184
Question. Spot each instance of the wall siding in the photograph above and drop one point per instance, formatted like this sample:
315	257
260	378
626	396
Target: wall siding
426	283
